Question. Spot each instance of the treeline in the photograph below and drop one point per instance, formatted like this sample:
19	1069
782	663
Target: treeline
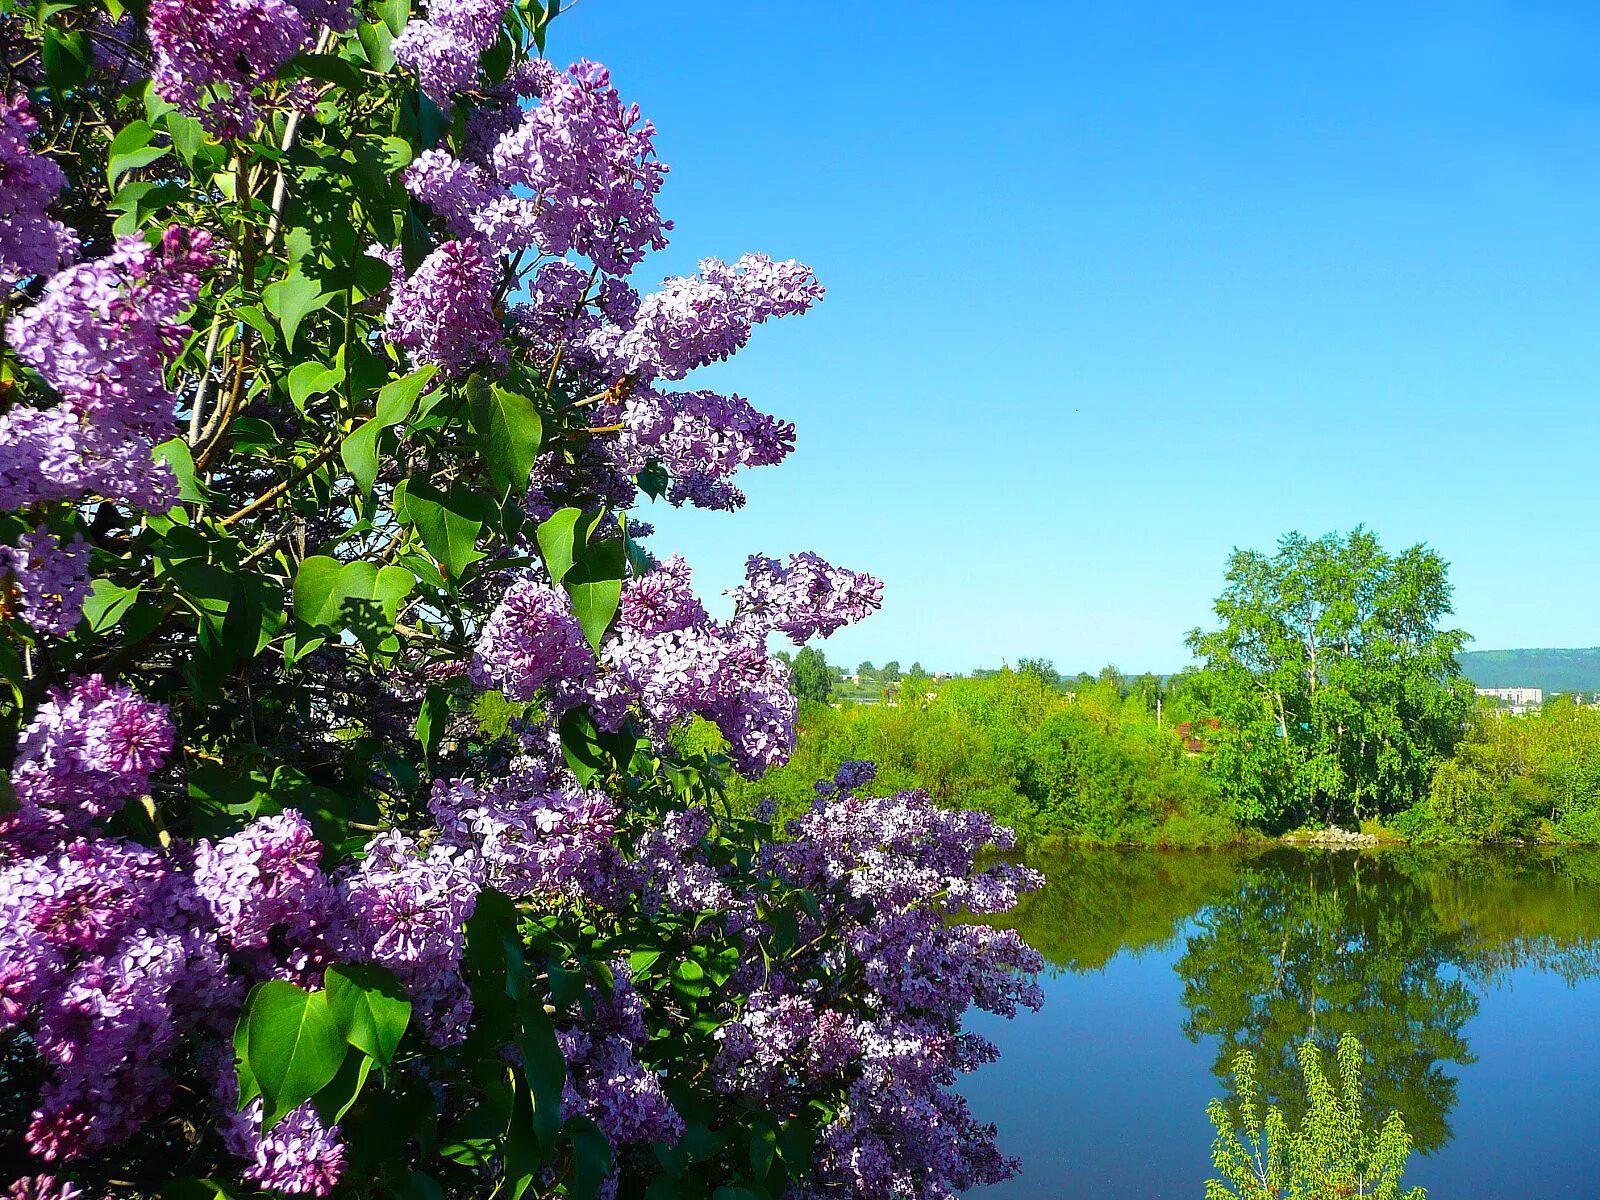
1132	760
1327	694
1530	778
1100	760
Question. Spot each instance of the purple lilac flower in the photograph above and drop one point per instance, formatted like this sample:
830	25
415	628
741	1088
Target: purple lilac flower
43	1187
590	161
51	579
536	831
102	335
31	243
299	1155
211	55
90	747
676	874
695	320
55	454
702	439
444	314
472	204
808	598
444	49
266	893
605	1080
532	639
403	909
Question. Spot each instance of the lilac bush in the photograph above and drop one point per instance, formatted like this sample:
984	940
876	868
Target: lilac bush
348	844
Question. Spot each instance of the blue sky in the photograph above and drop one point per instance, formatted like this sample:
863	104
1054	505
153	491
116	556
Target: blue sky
1116	287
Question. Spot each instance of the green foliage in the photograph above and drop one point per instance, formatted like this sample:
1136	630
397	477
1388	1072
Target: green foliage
1534	777
812	678
1094	766
1333	1152
1337	690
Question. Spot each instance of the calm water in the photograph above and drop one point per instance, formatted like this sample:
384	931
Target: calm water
1473	979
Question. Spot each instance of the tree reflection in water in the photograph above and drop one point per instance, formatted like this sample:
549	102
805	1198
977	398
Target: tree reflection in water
1279	946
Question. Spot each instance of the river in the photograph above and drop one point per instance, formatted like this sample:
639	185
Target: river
1472	978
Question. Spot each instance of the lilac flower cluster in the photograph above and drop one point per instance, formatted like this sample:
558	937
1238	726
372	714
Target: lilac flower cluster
31	243
444	313
403	908
892	875
89	748
536	832
590	160
113	955
702	439
445	48
210	56
533	639
51	579
807	599
667	660
102	335
695	320
605	1081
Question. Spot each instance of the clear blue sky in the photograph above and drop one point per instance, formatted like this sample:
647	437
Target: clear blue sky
1115	287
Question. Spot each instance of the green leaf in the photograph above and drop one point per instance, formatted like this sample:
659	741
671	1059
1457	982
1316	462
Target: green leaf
292	300
106	604
511	431
340	1096
431	719
249	1088
448	522
557	536
294	1047
68	58
191	1188
316	590
395	402
591	1158
595	585
312	379
544	1067
176	454
580	745
371	1006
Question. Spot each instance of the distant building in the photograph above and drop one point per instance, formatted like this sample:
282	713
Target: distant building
1514	700
1193	735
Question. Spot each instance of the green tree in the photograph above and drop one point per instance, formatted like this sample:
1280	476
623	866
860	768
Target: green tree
811	678
1338	691
916	669
1333	1152
864	668
891	670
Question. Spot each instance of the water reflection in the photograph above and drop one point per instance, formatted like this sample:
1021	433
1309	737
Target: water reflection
1273	947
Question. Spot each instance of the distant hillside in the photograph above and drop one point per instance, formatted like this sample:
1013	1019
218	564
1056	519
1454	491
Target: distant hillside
1552	670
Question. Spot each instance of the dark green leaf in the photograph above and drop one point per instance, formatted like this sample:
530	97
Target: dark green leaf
510	429
176	454
448	522
591	1158
106	604
544	1067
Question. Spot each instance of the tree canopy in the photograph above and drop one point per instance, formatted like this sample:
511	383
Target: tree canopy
1336	685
